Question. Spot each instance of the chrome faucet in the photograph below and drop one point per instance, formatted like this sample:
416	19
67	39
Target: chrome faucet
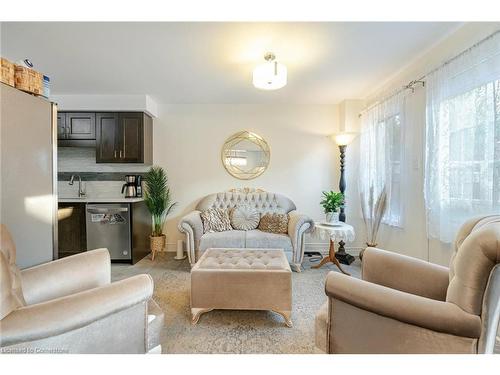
81	192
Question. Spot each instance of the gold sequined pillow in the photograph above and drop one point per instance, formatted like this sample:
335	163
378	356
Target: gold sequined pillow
274	223
215	220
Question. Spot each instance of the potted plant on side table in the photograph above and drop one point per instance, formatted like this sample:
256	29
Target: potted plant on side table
331	203
159	203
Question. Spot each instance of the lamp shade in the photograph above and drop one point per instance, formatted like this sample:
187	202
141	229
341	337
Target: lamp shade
343	139
270	75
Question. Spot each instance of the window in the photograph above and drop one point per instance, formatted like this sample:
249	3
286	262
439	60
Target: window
382	157
473	136
393	135
462	175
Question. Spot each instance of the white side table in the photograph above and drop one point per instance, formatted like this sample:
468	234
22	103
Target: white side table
341	232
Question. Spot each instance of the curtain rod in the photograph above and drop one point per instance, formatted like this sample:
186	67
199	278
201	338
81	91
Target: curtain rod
411	85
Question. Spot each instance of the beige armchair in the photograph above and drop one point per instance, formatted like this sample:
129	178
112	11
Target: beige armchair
406	305
70	306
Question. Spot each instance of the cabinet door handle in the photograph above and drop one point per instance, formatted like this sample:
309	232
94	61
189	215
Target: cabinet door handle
115	154
121	157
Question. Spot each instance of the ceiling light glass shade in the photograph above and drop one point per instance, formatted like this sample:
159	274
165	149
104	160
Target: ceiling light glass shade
343	139
269	76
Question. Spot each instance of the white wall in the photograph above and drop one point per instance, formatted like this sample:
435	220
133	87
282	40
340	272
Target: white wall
450	46
304	161
412	238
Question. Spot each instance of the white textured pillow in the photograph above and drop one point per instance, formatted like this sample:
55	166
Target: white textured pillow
244	217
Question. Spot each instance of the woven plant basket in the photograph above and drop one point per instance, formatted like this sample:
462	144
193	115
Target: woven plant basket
7	72
157	243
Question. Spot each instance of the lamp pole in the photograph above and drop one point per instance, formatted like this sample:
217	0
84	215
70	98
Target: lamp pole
341	255
342	180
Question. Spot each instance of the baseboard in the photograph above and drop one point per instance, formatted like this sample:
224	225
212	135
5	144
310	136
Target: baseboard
171	248
309	246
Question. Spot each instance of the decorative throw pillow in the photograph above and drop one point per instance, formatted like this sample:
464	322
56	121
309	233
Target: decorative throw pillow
244	217
215	220
274	223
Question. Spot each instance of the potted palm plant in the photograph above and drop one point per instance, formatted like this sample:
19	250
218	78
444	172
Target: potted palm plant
331	203
159	203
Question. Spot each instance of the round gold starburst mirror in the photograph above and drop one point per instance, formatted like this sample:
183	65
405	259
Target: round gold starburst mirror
245	155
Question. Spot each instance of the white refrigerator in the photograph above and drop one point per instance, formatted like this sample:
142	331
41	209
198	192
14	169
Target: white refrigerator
28	167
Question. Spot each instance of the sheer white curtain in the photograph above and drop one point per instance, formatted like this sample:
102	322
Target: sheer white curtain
462	158
382	155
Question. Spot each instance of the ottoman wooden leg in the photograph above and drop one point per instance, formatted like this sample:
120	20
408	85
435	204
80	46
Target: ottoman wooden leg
196	313
287	316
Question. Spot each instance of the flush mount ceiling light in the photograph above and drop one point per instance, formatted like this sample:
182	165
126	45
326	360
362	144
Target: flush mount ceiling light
270	75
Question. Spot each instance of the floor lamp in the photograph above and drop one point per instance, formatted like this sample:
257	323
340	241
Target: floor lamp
343	140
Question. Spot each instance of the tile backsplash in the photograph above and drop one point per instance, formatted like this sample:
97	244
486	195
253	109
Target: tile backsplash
100	180
82	159
94	189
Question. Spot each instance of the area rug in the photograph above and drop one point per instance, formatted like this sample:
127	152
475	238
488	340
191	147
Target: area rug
232	331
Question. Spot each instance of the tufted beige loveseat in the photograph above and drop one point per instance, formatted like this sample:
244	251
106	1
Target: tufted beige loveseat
292	242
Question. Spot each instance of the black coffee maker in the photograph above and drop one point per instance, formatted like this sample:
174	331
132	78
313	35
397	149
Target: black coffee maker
130	186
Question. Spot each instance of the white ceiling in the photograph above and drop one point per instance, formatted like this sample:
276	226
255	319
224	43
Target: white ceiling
212	62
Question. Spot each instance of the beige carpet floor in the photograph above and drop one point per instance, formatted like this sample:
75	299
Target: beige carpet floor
232	331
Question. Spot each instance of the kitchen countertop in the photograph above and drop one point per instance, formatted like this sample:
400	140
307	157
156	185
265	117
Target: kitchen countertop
99	200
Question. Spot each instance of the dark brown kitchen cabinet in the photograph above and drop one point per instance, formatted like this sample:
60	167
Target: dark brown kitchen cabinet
132	137
61	125
80	125
76	125
107	134
124	137
71	229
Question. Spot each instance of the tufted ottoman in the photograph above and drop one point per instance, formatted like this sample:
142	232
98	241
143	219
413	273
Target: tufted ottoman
242	279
